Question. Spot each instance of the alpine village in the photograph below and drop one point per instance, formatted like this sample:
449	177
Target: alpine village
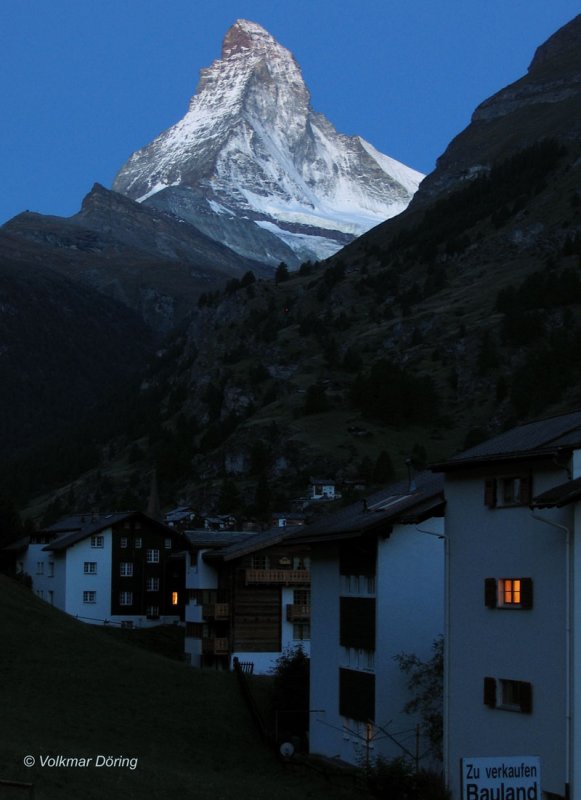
291	457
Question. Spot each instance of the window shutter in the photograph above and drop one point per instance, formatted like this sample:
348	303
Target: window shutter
490	492
490	692
490	593
526	697
526	593
525	490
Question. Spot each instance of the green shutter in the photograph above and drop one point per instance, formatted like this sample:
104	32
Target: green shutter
526	593
357	622
490	492
490	692
490	593
357	695
526	697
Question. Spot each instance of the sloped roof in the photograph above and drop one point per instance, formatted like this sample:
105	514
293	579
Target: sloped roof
561	495
398	502
204	538
75	528
258	541
534	439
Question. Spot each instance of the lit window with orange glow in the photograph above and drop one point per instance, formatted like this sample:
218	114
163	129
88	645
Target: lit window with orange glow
174	598
511	592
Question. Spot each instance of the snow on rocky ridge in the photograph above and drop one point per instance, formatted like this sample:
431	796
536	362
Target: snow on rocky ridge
251	146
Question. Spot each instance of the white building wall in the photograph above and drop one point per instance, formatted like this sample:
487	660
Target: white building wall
78	582
409	592
325	733
37	562
199	575
409	617
512	644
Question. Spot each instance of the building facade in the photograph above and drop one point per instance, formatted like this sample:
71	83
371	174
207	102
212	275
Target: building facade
513	657
377	591
248	596
123	568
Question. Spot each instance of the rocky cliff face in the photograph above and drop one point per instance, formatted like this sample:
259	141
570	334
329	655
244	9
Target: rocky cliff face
545	103
257	154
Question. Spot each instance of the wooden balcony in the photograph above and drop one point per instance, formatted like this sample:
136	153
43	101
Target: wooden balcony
298	613
216	611
284	577
215	646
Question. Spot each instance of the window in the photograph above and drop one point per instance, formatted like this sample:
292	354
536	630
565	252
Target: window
508	593
358	658
356	695
175	598
152	556
152	612
301	631
508	695
51	597
167	544
152	585
90	567
123	542
126	569
125	598
358	584
138	543
260	562
89	597
301	563
302	597
40	567
513	490
40	593
97	541
51	569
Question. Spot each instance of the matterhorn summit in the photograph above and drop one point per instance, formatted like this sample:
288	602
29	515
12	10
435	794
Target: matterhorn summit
253	166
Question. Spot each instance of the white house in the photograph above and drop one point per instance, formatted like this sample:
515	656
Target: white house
513	656
123	568
248	597
377	570
323	489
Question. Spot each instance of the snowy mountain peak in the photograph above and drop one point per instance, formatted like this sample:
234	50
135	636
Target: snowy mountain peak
252	159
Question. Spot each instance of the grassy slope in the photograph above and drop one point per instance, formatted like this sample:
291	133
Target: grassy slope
65	689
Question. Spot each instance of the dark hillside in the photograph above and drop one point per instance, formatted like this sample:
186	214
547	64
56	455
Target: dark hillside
67	689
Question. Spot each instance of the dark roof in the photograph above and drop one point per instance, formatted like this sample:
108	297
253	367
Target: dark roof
75	528
258	541
17	545
396	503
559	496
542	437
204	538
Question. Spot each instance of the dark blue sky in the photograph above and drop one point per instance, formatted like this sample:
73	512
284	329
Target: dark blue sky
84	83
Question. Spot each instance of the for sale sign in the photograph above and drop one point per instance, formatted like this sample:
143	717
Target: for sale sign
501	778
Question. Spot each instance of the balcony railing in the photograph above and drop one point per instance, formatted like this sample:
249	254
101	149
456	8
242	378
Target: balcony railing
287	577
216	611
216	646
298	613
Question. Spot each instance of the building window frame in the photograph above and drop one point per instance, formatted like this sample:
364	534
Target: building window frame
98	541
89	596
126	569
90	568
125	598
508	593
508	694
152	556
